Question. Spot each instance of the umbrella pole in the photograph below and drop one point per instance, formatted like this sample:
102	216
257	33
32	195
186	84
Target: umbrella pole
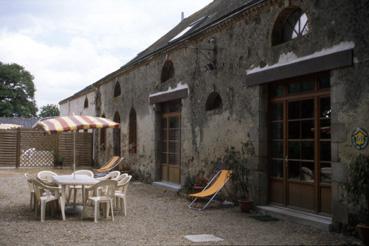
74	151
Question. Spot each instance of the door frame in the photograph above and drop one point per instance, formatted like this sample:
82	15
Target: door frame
316	94
167	116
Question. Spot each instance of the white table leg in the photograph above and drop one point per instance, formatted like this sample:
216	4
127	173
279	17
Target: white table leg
62	200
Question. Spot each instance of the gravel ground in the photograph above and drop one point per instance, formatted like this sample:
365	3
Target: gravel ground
154	217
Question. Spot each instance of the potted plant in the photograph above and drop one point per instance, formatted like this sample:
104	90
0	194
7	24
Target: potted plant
200	181
58	160
357	187
237	161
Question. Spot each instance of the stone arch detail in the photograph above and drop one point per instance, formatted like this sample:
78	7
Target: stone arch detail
116	136
291	23
132	132
167	72
213	102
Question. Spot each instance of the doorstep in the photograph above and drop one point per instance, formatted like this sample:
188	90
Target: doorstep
167	185
297	216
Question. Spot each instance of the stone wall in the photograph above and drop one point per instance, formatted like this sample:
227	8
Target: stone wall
231	48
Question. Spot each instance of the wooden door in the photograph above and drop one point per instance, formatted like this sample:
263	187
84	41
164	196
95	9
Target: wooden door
300	156
171	143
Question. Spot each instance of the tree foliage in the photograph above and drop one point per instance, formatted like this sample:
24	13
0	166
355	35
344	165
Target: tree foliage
49	110
16	91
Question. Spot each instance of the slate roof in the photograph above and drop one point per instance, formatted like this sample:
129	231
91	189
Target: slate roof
24	122
212	14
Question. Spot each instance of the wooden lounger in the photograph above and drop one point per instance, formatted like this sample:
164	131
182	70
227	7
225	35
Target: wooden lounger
109	165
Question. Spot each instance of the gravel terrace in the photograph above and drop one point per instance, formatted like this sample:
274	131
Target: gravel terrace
154	217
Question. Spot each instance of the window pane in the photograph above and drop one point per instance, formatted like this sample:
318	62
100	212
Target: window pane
173	147
174	134
325	108
277	130
277	149
307	129
294	129
294	150
325	129
277	90
301	110
302	171
307	150
294	110
172	159
325	172
307	109
277	168
307	172
173	122
294	170
277	111
325	151
164	134
300	87
164	158
163	146
164	123
324	81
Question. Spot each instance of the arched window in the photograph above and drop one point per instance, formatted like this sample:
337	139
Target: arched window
132	138
116	136
213	102
85	105
167	71
117	89
290	24
102	136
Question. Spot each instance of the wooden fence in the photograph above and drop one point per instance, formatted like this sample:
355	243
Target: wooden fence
33	148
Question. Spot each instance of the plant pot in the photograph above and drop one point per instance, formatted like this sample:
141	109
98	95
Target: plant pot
245	205
363	231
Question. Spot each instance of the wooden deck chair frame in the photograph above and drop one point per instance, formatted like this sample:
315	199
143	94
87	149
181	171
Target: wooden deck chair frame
206	187
109	165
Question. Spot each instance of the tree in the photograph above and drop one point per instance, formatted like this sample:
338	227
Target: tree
17	91
49	111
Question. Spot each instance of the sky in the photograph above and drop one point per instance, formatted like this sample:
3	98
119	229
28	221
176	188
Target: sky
69	44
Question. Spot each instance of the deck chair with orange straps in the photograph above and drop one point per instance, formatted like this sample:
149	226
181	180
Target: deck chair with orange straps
212	188
109	165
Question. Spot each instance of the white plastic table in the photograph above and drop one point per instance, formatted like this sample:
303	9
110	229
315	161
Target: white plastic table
65	180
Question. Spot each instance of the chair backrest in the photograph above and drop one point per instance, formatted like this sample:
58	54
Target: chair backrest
104	188
29	182
108	165
122	185
122	176
84	172
40	188
46	176
114	175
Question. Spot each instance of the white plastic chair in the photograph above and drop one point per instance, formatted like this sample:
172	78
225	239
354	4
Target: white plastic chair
121	194
75	188
111	175
46	176
103	192
31	191
45	194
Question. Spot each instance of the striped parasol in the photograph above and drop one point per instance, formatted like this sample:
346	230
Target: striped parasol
74	123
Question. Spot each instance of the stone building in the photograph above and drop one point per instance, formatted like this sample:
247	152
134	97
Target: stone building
288	77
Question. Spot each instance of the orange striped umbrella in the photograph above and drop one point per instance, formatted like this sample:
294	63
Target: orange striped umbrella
74	123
